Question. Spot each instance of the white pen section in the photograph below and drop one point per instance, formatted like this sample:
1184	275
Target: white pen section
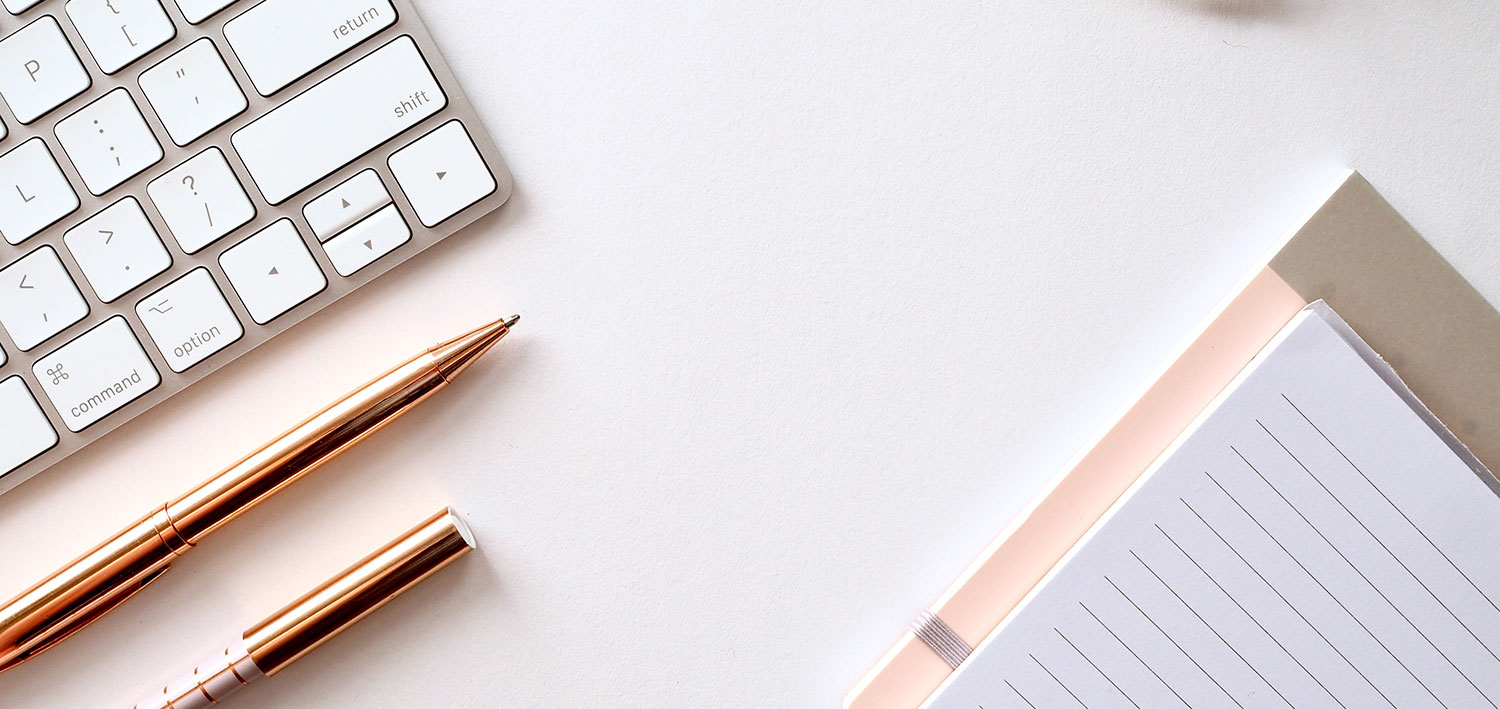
210	682
340	119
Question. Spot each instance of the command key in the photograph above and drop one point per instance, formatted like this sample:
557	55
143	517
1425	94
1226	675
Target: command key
96	374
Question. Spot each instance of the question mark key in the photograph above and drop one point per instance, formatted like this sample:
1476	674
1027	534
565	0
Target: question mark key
201	200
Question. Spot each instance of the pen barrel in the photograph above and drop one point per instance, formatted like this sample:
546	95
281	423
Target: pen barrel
83	591
358	591
94	583
210	682
304	448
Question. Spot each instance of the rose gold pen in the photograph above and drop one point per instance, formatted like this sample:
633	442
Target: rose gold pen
310	621
83	591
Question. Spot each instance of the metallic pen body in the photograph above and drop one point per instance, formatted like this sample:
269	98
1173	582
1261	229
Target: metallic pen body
318	616
114	571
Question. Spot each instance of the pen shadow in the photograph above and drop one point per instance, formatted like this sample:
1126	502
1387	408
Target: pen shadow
1264	10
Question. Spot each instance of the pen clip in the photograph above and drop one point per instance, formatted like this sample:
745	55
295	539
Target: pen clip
66	629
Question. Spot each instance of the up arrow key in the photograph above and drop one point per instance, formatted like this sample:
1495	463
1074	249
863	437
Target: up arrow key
273	272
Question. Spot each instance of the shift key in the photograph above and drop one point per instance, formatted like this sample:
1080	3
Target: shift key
96	374
335	122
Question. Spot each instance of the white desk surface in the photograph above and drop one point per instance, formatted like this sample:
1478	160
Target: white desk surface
816	295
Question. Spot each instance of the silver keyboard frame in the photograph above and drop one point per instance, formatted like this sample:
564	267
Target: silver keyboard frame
19	363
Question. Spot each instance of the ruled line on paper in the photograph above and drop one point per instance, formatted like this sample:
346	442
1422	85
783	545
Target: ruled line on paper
1392	503
1172	640
1324	587
1134	654
1092	664
1251	616
1059	682
1250	567
1378	591
1394	556
1289	604
1210	626
1018	693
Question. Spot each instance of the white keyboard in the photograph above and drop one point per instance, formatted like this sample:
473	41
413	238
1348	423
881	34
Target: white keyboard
181	180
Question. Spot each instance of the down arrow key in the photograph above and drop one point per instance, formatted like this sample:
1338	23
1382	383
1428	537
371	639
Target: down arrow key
367	241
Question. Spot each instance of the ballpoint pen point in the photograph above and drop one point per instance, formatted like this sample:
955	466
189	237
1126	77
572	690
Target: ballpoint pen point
455	355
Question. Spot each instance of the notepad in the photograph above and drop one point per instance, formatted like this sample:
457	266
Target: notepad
1315	538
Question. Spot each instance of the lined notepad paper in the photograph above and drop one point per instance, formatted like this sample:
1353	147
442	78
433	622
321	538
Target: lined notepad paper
1316	539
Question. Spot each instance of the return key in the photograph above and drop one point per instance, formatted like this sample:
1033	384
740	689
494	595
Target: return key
281	41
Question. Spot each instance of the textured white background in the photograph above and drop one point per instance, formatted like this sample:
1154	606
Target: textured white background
816	295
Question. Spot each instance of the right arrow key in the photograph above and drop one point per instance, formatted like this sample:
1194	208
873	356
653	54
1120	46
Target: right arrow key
442	173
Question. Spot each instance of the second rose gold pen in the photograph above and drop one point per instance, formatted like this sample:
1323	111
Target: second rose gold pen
83	591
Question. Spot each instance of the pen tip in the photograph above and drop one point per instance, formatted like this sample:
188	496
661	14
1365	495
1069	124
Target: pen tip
455	355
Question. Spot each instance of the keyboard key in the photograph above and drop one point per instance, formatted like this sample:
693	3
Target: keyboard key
281	41
201	200
193	92
340	119
33	192
38	298
339	208
27	432
16	7
196	11
442	173
368	240
273	271
117	249
109	141
189	320
39	70
118	32
96	374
